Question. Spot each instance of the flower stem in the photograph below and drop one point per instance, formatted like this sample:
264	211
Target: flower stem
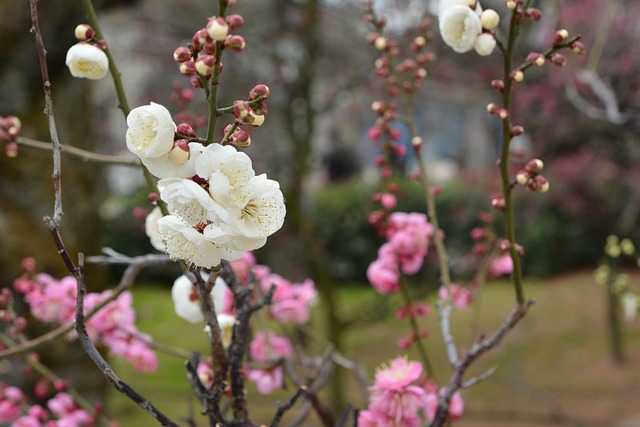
115	73
504	159
406	297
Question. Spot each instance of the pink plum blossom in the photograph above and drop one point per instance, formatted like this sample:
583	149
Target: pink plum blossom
269	345
502	265
291	301
267	380
53	300
462	295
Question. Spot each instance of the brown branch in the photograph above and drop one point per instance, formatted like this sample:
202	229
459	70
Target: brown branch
282	408
99	361
48	99
79	152
476	350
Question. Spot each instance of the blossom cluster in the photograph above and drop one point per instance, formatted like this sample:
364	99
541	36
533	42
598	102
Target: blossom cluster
400	396
61	410
87	59
9	131
54	301
218	207
464	26
269	348
407	244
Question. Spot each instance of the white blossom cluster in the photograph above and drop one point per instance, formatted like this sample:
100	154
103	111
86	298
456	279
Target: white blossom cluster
218	207
464	26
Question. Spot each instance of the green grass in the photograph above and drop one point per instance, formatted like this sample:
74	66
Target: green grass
553	368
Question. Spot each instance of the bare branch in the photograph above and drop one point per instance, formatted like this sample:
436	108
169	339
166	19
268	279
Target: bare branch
282	408
99	361
79	152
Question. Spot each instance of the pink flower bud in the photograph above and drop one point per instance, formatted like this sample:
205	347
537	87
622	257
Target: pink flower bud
558	60
11	149
84	32
181	54
381	43
209	48
260	90
498	203
153	197
578	48
240	138
235	43
560	37
195	82
179	154
235	21
257	119
541	184
517	76
205	64
534	166
493	108
200	38
388	201
533	14
185	129
187	68
516	130
241	110
217	28
536	58
497	85
418	43
522	177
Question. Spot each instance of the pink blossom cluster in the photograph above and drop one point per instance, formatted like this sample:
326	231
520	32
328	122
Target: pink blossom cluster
291	302
54	301
400	397
461	296
61	411
407	244
271	348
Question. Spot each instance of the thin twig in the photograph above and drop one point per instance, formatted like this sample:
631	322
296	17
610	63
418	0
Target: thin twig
284	407
85	155
99	361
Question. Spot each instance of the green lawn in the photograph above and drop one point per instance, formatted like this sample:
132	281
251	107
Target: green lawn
553	369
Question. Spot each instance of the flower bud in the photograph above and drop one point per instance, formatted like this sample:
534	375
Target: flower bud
185	129
241	110
533	14
84	32
536	58
181	54
493	108
416	141
516	130
200	38
418	43
257	119
511	4
498	203
235	43
11	149
209	48
541	184
522	177
195	82
489	19
578	48
240	138
560	37
517	76
187	68
235	21
558	59
534	166
260	90
217	28
497	85
205	64
485	44
380	43
425	58
179	154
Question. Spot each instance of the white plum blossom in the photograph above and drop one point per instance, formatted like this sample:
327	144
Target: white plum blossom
184	242
150	132
151	229
186	301
485	44
226	323
87	61
460	26
187	199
